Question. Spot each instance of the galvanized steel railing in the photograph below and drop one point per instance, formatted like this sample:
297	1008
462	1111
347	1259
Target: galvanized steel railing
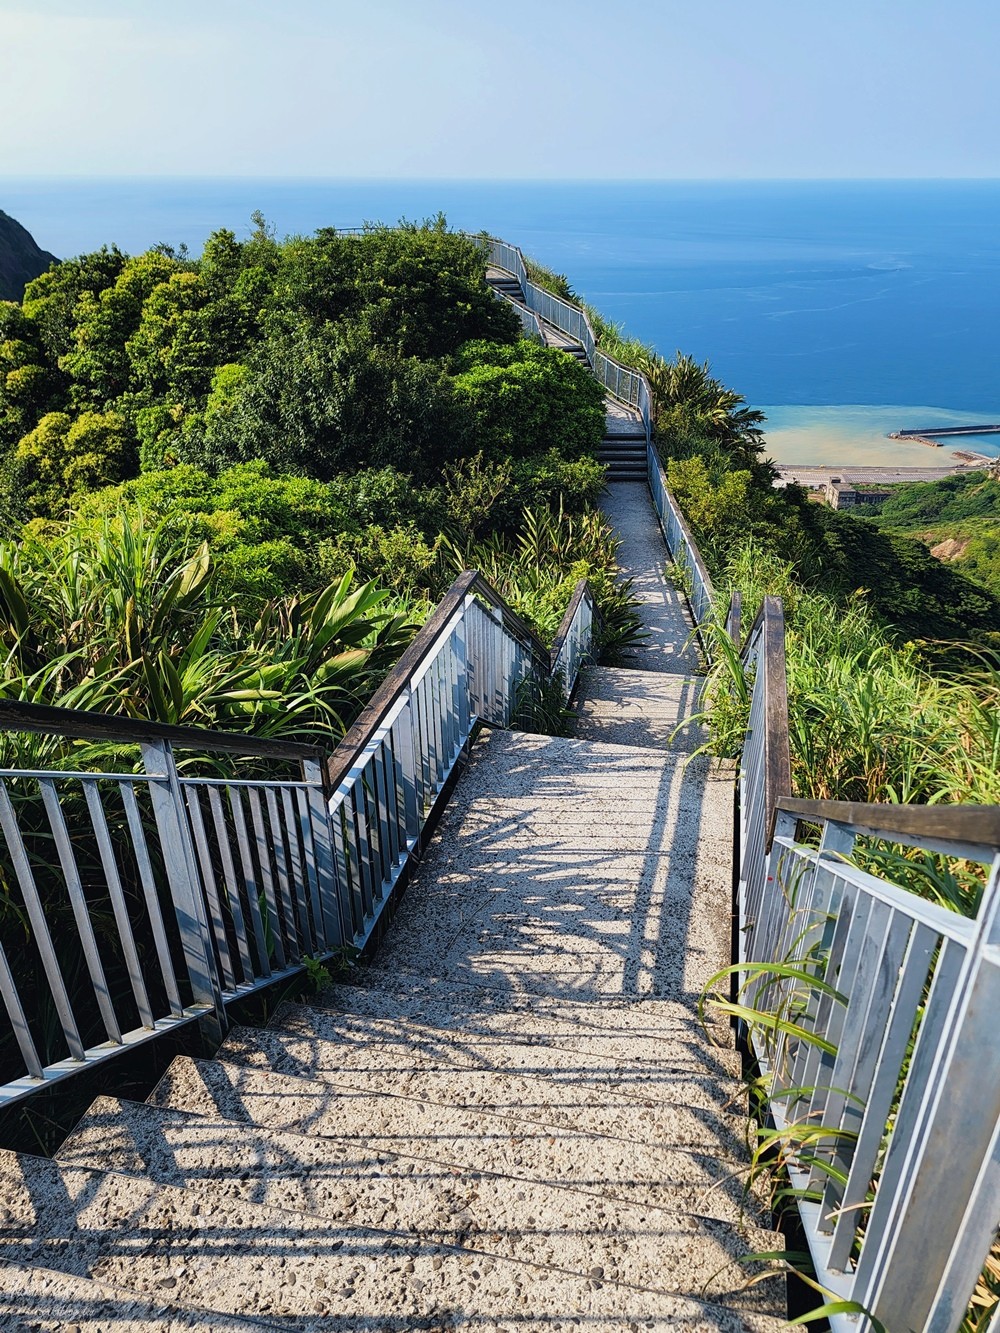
574	644
681	543
623	382
153	895
632	388
872	1012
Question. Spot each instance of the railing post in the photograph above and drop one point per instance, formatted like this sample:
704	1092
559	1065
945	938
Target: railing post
183	881
335	912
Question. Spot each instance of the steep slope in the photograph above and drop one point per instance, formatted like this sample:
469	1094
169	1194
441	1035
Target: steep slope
21	259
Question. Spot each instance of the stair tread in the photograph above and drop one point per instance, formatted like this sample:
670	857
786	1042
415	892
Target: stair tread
473	1027
507	1217
235	1257
376	992
610	1048
46	1300
683	1180
668	1117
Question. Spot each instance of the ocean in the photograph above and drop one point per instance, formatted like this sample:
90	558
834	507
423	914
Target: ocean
843	309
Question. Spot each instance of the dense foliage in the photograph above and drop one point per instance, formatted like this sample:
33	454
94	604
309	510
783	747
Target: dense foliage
323	412
957	518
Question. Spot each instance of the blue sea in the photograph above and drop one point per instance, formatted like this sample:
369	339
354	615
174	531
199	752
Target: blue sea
844	309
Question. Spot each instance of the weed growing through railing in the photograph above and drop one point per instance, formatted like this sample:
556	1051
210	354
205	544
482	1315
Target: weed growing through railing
540	706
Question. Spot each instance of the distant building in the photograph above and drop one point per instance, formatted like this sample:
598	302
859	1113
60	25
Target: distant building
840	495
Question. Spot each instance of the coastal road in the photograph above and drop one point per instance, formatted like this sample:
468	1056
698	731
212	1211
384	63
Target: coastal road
819	474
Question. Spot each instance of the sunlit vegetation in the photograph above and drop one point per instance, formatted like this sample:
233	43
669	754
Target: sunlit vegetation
348	412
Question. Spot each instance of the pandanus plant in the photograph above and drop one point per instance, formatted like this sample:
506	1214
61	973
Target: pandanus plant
124	618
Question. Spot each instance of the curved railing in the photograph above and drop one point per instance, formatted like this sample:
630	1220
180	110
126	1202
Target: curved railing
208	888
625	383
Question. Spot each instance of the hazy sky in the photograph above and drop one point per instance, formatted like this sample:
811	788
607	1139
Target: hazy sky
522	88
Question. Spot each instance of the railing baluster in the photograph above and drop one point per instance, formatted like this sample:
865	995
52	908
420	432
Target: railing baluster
264	860
332	896
311	872
78	904
112	878
249	879
297	935
18	1019
153	910
232	886
216	919
300	889
39	925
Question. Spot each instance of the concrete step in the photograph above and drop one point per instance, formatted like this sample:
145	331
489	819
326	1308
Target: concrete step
467	1027
641	708
635	1026
507	1218
666	1116
473	1139
295	1269
44	1300
575	869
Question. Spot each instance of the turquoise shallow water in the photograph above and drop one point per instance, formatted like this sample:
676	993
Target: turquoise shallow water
857	434
809	294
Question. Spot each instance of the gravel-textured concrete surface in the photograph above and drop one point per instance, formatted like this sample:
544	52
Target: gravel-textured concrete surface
42	1300
575	870
661	1116
541	1223
643	558
297	1270
644	1173
652	709
579	1054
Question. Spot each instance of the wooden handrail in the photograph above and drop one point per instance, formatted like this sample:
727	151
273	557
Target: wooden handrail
80	724
945	823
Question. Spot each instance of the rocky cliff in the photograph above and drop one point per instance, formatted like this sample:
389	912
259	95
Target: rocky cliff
20	258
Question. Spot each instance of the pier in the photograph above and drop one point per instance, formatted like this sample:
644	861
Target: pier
946	430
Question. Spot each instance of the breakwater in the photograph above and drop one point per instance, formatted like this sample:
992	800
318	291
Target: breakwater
935	431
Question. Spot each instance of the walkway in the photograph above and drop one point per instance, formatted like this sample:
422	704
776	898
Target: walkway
512	1121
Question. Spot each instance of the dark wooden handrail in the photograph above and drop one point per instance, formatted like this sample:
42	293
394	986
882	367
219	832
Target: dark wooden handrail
734	618
944	823
79	724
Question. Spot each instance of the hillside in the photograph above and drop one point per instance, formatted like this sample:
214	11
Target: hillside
956	518
21	260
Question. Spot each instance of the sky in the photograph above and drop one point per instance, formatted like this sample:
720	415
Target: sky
524	89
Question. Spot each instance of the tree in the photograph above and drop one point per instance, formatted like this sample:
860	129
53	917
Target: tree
62	457
524	399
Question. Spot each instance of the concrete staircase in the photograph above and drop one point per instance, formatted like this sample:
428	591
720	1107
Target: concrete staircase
514	1119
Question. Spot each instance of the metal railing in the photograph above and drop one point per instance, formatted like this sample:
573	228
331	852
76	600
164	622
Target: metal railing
872	1012
631	387
681	544
626	384
153	895
574	644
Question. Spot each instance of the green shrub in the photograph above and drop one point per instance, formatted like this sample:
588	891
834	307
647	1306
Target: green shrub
524	399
